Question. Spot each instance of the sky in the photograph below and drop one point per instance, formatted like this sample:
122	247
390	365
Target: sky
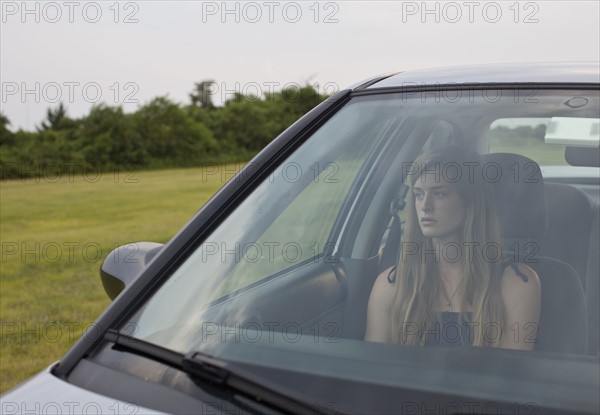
85	53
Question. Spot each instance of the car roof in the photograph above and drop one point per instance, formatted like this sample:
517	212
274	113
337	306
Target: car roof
517	73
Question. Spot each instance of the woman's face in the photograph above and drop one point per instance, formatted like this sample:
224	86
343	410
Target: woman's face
440	208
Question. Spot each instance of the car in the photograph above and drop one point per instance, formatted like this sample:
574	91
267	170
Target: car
260	303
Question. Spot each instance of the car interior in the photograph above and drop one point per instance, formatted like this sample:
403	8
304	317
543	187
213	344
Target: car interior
552	222
559	241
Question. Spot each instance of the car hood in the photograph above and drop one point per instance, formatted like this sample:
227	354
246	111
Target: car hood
45	393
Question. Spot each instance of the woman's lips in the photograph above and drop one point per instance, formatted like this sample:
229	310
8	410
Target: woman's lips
427	221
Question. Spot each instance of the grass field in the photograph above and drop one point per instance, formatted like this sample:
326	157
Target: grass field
56	231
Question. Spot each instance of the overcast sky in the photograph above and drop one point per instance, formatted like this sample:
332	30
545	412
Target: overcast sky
127	53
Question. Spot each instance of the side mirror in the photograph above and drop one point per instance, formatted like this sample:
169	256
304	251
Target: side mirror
123	265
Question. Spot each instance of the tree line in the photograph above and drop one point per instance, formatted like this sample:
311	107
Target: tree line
159	134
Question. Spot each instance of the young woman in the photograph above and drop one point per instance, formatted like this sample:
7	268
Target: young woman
452	285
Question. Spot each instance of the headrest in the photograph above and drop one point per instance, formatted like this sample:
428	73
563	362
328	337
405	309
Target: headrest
519	193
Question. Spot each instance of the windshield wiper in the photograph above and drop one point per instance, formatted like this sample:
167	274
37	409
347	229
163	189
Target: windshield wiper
202	367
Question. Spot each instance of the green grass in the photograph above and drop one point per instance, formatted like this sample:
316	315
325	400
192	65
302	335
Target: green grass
50	289
542	153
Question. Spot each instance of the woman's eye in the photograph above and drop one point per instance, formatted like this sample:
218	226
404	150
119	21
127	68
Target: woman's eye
439	194
418	196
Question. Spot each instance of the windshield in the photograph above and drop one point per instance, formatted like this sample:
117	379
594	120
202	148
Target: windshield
405	228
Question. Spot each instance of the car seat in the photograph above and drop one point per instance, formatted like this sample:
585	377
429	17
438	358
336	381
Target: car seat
522	211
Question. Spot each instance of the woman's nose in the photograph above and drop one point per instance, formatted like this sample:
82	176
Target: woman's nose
426	205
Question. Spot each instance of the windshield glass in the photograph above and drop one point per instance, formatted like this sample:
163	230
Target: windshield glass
407	226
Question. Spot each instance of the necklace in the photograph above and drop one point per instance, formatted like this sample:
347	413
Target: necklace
449	300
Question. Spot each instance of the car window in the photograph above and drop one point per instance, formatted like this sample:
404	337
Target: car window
526	136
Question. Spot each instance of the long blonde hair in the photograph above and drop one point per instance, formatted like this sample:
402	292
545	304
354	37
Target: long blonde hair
418	283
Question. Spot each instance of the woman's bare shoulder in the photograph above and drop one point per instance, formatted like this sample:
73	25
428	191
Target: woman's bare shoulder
521	296
379	309
383	290
519	283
